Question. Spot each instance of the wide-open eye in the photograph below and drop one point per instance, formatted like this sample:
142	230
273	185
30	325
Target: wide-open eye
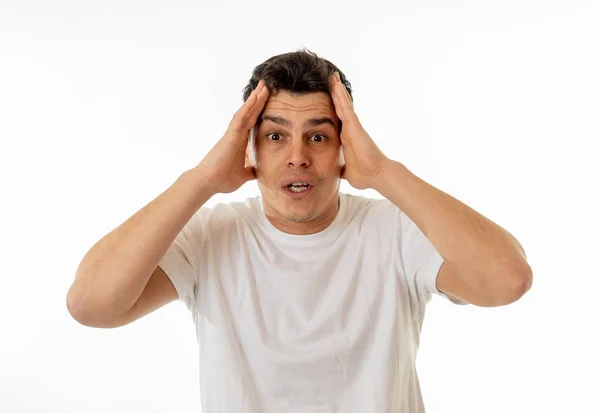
274	136
318	138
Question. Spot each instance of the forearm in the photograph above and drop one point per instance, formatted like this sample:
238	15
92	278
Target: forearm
460	234
114	272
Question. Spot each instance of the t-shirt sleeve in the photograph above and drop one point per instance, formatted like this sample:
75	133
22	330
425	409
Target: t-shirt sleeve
421	262
180	263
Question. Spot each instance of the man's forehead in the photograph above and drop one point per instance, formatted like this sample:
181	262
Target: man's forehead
316	101
310	105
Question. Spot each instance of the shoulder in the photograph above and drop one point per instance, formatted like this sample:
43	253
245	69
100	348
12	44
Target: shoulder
226	215
368	208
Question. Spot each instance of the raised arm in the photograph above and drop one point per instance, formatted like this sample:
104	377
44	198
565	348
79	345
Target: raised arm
119	279
114	273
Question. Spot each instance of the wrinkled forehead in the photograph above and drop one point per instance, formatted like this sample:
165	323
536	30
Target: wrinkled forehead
298	108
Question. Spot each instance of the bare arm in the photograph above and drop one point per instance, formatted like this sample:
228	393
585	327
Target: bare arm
113	274
119	280
483	263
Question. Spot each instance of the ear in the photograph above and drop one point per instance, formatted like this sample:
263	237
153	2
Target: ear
341	159
251	148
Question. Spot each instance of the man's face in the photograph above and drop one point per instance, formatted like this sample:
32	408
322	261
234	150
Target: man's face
297	142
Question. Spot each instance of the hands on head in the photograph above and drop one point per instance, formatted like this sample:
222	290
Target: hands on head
364	160
225	168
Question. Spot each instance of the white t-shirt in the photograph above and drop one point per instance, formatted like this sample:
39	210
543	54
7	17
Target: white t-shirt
328	322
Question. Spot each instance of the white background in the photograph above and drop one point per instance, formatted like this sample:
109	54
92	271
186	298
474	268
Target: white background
104	104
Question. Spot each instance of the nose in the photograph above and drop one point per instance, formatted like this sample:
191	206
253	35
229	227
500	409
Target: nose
298	154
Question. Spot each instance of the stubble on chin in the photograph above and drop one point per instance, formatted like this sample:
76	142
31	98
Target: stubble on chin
299	219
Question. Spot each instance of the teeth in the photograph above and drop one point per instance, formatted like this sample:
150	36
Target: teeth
298	187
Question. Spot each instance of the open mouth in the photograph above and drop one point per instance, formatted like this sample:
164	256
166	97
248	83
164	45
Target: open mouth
298	187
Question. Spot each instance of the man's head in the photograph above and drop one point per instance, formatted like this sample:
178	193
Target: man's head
297	141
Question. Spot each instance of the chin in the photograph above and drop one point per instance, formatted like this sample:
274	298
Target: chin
294	212
299	218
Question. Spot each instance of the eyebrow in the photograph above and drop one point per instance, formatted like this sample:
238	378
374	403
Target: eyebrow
310	122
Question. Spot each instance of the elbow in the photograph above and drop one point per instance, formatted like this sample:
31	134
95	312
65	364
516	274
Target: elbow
511	289
78	309
86	313
521	283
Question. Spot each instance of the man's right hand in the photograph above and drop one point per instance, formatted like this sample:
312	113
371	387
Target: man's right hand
224	167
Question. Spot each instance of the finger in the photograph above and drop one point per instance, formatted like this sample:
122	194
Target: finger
261	100
342	102
239	118
345	98
332	91
337	105
339	79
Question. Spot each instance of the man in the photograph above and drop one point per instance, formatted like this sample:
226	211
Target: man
305	299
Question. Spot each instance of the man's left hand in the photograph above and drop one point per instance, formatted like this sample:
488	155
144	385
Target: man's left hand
364	160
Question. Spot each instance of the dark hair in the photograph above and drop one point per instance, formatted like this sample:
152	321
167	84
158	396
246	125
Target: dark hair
297	72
